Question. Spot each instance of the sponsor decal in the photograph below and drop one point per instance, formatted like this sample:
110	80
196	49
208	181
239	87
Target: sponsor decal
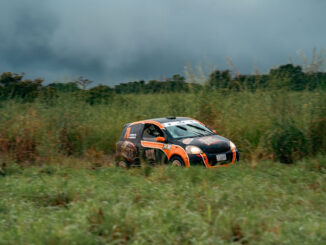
132	136
208	140
129	151
184	122
187	141
167	146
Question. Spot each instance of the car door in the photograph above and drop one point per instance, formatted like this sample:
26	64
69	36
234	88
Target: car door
152	150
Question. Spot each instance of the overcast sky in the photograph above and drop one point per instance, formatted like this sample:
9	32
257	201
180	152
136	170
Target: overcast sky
113	41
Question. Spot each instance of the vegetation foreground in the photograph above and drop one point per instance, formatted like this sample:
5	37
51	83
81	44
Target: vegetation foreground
84	200
277	125
248	203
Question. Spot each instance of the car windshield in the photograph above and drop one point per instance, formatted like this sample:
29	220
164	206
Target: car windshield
187	129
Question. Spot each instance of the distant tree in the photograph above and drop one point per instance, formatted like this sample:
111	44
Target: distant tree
28	89
251	82
65	87
99	94
10	79
219	79
83	82
48	94
175	84
287	76
153	86
178	84
13	86
130	87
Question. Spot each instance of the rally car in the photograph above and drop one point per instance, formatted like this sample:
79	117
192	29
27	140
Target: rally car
180	141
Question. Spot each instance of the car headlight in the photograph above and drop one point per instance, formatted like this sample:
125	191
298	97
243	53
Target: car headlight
191	149
232	146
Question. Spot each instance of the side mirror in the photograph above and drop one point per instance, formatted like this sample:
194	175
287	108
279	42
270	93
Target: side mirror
214	131
160	139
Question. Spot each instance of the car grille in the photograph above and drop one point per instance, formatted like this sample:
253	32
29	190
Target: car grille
219	147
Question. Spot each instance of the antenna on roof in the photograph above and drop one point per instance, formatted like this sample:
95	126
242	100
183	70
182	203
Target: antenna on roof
171	117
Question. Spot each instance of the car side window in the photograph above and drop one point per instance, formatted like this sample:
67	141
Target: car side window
151	131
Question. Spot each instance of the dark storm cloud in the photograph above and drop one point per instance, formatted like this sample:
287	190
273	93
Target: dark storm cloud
113	41
25	32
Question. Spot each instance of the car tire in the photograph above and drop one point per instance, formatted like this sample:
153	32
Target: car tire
122	164
176	161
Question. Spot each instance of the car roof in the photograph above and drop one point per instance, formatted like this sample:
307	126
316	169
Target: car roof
160	120
169	119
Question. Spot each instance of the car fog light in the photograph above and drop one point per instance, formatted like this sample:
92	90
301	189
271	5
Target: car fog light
191	149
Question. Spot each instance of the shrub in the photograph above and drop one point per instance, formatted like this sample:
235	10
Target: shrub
288	143
72	138
318	135
20	141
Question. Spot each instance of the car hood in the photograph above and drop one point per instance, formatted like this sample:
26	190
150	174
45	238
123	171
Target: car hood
209	144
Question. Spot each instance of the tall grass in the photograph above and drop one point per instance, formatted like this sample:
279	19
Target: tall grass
280	125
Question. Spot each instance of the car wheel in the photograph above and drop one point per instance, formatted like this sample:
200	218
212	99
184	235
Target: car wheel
177	161
121	164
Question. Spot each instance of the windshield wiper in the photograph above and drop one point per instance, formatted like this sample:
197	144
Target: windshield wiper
196	133
207	132
196	127
183	128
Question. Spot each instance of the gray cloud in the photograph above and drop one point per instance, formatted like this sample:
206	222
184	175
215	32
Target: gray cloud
113	41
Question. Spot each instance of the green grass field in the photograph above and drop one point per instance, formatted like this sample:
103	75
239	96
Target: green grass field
248	203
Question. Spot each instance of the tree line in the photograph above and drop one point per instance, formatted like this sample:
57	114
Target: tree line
289	77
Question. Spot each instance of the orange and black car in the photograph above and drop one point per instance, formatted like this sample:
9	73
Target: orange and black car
180	141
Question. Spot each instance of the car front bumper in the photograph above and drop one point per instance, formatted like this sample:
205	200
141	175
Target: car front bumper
210	160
